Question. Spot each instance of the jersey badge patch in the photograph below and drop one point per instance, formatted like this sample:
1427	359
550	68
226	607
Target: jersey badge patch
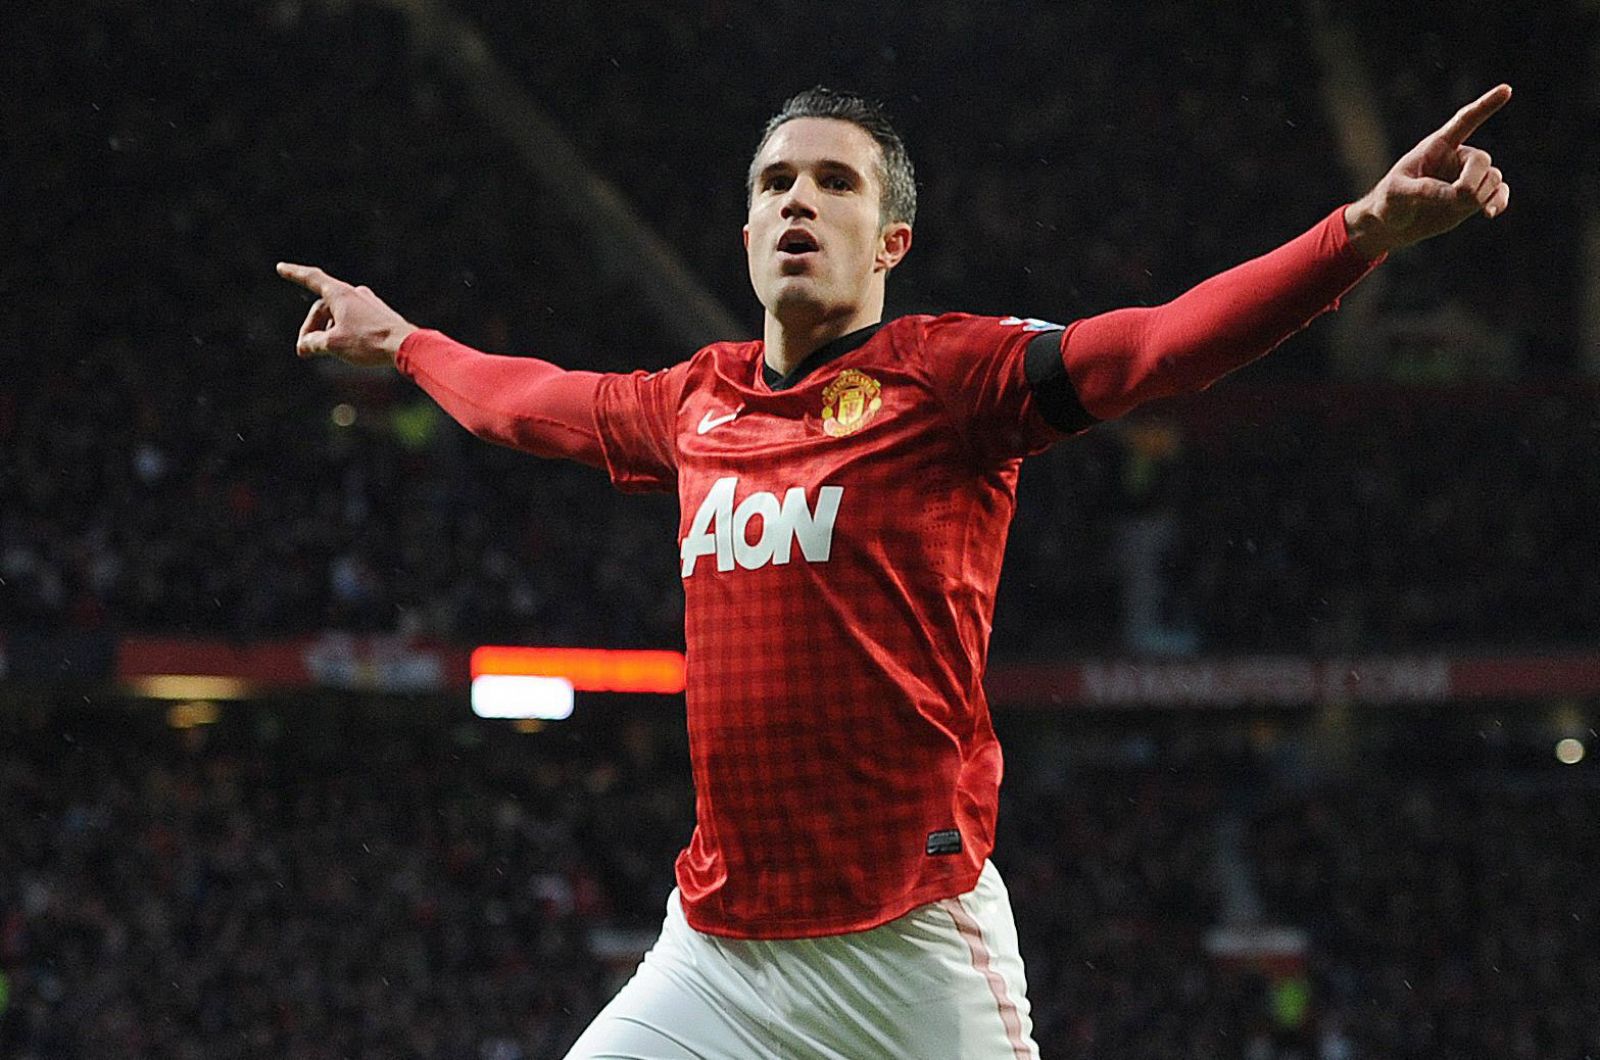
849	403
1031	324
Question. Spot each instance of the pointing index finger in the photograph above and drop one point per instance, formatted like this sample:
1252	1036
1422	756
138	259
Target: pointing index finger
310	277
1468	118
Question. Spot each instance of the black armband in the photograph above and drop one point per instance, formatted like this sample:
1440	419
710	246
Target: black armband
1052	388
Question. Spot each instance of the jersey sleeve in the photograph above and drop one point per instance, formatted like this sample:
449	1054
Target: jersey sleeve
520	402
637	419
625	423
978	366
1015	385
1119	360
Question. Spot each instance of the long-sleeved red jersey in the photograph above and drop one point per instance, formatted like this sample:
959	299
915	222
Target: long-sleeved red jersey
840	542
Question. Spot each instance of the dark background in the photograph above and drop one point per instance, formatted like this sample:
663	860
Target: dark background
312	878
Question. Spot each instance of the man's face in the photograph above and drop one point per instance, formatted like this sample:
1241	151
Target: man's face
816	243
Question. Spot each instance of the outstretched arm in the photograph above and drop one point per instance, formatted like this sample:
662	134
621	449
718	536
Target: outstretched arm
1121	359
521	402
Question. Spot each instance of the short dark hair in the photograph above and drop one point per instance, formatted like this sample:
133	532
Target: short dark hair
895	175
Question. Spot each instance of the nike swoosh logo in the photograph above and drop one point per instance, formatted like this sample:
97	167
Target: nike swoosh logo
709	422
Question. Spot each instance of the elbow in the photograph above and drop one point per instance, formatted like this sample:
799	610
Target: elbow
484	429
1140	382
1173	372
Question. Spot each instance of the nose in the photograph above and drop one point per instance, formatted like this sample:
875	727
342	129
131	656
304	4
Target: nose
800	200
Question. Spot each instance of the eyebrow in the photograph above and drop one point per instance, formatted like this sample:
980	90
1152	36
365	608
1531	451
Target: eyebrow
832	164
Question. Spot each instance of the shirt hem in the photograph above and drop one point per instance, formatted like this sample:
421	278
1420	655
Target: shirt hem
774	928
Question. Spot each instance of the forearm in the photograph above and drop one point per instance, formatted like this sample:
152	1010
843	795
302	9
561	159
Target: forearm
520	402
1121	359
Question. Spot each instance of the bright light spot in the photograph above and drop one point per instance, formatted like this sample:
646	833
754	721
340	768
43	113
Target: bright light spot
189	686
519	696
1569	752
188	715
589	669
344	415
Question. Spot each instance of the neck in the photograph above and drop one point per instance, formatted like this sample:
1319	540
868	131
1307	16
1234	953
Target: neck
788	342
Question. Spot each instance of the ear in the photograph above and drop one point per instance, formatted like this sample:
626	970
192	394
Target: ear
747	238
893	244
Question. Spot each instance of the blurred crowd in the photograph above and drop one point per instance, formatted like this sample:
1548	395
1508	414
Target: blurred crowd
1355	519
324	894
169	466
1448	919
1360	520
305	887
331	881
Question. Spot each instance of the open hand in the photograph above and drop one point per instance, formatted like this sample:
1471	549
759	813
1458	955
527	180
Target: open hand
1435	186
347	322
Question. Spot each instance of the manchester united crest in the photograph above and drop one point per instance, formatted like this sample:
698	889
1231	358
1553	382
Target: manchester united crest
849	403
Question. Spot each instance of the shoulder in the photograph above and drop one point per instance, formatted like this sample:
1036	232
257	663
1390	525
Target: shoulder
973	324
734	359
731	349
961	335
724	358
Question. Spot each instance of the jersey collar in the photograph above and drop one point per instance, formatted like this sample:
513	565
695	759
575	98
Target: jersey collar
818	357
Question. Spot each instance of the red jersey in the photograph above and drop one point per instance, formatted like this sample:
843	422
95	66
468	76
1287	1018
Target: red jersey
840	544
840	540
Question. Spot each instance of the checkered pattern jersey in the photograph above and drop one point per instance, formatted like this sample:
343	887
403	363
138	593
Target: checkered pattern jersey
841	538
839	735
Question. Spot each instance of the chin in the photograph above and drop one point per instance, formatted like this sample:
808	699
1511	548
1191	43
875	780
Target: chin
797	296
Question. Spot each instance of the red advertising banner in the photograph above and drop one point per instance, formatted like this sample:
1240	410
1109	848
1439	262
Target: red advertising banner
1291	681
403	665
332	660
586	669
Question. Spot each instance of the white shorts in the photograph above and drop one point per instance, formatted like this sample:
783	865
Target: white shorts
943	981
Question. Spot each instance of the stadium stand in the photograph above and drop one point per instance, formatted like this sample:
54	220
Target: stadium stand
313	878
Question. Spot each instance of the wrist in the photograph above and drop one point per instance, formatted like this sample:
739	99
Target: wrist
1366	231
397	337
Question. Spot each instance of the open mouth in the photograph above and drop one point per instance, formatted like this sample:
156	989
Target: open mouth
797	241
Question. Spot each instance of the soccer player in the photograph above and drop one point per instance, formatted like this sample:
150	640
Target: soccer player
845	486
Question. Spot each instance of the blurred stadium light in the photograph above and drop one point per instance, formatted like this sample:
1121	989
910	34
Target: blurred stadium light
509	682
521	696
588	669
